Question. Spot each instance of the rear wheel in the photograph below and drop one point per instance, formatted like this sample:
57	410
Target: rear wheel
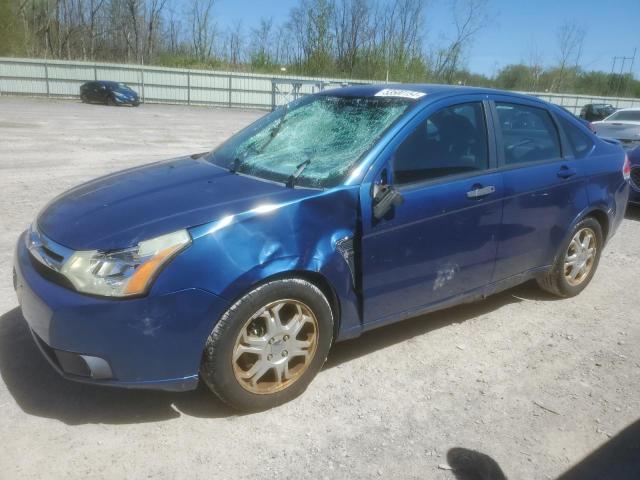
576	262
268	346
84	98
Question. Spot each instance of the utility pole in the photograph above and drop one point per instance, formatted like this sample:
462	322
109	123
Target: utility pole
622	80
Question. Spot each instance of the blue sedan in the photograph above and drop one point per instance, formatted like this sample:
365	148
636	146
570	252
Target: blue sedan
336	214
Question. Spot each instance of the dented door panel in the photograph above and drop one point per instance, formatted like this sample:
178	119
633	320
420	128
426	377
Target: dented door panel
438	245
230	255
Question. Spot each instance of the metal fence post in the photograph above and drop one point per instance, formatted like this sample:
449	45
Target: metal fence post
229	88
188	87
142	84
273	94
95	73
46	78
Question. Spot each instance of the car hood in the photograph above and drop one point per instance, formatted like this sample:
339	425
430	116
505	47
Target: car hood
121	209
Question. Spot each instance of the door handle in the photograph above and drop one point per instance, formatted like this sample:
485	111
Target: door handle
566	172
478	191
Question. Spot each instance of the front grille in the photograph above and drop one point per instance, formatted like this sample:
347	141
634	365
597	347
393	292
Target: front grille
51	254
48	257
635	177
50	274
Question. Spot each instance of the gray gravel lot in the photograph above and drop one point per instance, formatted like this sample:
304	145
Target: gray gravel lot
534	382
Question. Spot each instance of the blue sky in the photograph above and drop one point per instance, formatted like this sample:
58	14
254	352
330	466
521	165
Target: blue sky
515	28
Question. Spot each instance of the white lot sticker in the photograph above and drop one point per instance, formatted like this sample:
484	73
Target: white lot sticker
393	92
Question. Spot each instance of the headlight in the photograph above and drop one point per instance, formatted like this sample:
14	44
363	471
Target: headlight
123	273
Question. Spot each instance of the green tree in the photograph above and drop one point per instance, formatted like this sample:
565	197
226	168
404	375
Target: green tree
11	33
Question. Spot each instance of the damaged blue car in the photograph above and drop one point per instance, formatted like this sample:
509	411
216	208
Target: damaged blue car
339	213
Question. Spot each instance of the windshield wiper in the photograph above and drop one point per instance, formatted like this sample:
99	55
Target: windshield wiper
240	159
275	130
235	165
291	181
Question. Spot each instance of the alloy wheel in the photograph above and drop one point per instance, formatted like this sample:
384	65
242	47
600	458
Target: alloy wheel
275	346
580	256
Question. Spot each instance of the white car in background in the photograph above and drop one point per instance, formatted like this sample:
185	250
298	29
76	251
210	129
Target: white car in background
623	125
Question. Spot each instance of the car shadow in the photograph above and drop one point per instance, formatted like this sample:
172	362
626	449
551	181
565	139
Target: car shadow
617	459
633	212
39	390
399	332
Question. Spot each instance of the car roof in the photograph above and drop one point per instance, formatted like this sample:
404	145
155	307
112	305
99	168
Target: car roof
431	91
629	109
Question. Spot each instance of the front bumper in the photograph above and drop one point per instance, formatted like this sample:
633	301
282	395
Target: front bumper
149	342
135	101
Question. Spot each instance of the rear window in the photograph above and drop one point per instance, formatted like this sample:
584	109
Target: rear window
528	134
625	116
580	142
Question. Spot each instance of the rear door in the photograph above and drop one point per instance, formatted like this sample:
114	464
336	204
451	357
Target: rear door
544	185
441	242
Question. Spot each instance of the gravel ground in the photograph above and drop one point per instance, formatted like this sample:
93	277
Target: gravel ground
533	382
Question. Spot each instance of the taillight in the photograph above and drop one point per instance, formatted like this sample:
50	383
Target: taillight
591	127
626	168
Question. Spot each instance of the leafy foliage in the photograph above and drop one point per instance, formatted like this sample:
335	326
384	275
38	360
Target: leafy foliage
357	39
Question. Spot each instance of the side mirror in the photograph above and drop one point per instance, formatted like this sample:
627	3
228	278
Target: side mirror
385	197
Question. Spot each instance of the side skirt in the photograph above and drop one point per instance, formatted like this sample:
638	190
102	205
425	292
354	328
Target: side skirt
467	297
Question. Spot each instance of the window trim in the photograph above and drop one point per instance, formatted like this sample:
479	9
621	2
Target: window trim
502	164
581	128
423	117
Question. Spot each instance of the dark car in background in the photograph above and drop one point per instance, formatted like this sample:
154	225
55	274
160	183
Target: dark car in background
109	93
593	112
586	123
634	157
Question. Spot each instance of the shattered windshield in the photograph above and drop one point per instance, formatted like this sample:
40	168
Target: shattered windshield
316	140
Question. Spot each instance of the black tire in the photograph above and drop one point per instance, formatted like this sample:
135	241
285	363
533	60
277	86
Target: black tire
111	102
217	368
84	98
554	281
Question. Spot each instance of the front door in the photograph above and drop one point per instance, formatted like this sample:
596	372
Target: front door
441	241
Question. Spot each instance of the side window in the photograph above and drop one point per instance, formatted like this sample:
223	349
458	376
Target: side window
528	134
580	142
451	141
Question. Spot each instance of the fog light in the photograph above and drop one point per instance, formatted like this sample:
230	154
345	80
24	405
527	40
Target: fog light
84	365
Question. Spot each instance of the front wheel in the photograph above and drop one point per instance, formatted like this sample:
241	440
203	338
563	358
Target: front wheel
577	261
111	101
269	345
